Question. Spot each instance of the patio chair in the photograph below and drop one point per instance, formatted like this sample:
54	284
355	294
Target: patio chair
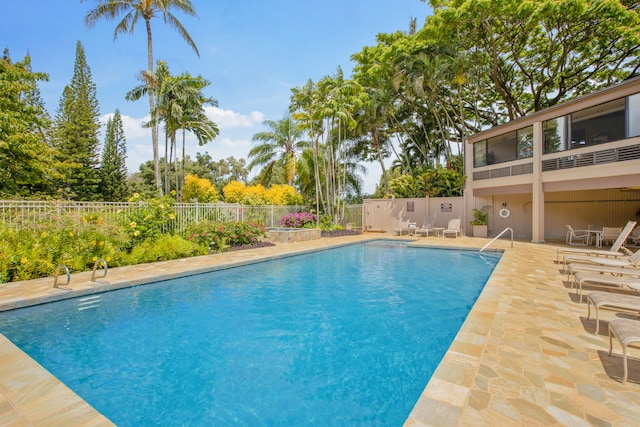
612	252
403	227
624	259
627	331
606	281
577	237
610	234
634	238
427	226
613	301
452	228
620	266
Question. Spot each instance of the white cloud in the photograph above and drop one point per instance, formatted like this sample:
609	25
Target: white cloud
228	119
234	143
132	126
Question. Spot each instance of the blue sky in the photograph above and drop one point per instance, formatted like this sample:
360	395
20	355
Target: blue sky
253	53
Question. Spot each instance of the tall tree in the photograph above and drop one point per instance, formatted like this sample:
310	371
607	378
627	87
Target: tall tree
305	109
341	100
180	105
280	144
113	169
26	157
75	134
133	11
536	54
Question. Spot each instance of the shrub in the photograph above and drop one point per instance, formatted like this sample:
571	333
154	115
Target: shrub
298	220
218	236
233	192
199	189
22	256
76	242
150	220
255	195
165	248
283	195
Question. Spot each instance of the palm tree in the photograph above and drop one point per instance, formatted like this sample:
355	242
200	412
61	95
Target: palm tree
195	120
134	10
305	109
180	105
342	99
279	144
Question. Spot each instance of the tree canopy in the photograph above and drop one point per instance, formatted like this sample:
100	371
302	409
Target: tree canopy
26	157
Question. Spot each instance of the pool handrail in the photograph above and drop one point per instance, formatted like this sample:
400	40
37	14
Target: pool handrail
497	237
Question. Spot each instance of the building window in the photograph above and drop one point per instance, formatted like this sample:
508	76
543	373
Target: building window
525	142
501	148
555	135
598	125
633	111
480	154
504	148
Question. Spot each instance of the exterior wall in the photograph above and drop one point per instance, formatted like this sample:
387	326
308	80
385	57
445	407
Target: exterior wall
608	208
383	215
519	220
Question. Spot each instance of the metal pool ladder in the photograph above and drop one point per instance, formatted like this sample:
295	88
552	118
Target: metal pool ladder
57	274
95	268
497	237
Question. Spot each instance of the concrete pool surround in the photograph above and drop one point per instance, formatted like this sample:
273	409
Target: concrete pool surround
525	355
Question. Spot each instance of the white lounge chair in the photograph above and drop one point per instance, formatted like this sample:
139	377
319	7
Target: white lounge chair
574	268
452	228
612	252
610	234
627	331
403	227
577	262
606	280
634	238
427	226
577	237
612	301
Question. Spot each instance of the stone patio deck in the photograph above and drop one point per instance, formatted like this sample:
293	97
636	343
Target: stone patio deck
526	355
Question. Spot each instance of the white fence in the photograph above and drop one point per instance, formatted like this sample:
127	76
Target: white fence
28	214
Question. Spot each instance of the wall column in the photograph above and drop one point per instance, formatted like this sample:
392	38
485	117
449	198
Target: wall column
537	193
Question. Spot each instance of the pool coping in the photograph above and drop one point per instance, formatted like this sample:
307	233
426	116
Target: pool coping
511	363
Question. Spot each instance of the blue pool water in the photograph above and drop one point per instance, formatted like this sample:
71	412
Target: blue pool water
348	336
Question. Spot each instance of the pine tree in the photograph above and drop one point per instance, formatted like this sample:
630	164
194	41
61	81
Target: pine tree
113	170
76	133
26	159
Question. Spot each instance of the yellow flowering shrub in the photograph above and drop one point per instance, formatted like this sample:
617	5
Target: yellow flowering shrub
237	192
234	192
255	195
200	189
283	195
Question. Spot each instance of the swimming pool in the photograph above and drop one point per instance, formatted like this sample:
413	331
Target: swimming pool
344	336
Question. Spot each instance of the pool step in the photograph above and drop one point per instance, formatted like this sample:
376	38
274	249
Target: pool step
88	302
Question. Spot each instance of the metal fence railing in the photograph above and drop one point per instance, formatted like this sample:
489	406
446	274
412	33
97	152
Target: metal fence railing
29	214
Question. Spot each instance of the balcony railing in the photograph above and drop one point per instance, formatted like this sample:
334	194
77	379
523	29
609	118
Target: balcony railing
569	161
609	155
512	170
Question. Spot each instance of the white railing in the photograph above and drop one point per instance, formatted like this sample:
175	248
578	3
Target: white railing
497	237
29	214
